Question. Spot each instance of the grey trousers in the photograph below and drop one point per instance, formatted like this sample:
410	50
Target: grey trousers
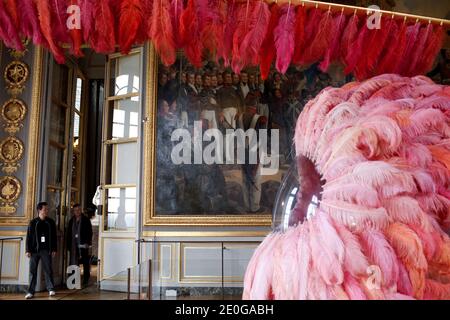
46	258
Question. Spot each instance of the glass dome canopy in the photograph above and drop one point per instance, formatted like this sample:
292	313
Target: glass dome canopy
298	196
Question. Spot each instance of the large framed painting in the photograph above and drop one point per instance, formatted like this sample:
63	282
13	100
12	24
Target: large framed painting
217	143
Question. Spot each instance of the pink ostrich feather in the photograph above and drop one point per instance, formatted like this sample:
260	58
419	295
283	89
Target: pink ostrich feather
382	147
284	38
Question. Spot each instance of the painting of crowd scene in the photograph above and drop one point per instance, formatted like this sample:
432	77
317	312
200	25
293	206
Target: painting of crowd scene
222	100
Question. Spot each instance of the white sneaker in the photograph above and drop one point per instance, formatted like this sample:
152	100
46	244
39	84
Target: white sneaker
28	296
51	293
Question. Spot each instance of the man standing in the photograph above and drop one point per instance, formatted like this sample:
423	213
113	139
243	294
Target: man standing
41	245
79	239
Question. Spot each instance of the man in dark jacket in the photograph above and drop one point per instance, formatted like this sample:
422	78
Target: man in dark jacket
41	245
79	239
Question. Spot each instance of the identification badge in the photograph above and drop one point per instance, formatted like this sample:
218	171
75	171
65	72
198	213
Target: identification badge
42	239
76	236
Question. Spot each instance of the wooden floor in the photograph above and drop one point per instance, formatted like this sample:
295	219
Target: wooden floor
92	293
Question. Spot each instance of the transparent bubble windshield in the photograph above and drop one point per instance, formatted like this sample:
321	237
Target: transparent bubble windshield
299	195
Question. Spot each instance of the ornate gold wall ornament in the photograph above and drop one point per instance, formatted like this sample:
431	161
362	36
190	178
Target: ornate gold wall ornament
10	190
16	74
13	112
11	152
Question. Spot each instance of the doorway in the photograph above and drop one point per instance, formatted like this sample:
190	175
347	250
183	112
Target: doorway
72	146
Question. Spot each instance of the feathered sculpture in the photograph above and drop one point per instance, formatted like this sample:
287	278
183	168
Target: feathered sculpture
45	22
378	229
249	35
8	30
267	51
29	23
284	38
104	33
131	18
190	33
161	32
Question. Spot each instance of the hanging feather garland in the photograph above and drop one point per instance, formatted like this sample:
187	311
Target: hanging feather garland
129	23
143	32
284	38
161	32
45	23
29	23
8	32
190	34
104	35
267	51
300	23
248	37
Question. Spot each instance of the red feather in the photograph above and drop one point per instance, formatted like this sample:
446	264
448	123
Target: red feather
321	41
11	7
144	30
249	35
59	18
162	32
45	22
191	34
432	47
267	51
424	34
29	22
412	33
379	43
176	9
104	36
332	53
76	36
226	46
284	38
395	47
87	8
8	32
212	18
357	52
348	37
312	27
300	22
129	22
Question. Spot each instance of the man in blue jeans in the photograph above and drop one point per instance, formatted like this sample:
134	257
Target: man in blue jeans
41	245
